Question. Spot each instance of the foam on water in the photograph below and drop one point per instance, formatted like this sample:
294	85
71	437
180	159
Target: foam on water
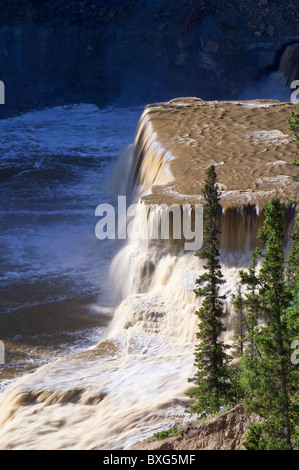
54	167
134	381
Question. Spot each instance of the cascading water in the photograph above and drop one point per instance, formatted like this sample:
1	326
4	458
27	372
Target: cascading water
277	84
134	382
289	65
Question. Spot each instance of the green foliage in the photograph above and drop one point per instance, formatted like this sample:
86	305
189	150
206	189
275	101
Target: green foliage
251	300
293	123
292	269
263	436
267	323
212	379
267	376
292	316
172	432
254	437
241	326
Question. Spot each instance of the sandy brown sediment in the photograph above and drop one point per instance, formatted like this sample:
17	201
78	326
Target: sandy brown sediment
248	142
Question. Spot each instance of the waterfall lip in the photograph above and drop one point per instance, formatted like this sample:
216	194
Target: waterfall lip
245	140
248	143
288	67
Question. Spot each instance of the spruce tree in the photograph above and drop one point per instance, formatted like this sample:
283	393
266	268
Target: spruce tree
268	375
293	125
251	301
211	360
292	270
241	325
292	319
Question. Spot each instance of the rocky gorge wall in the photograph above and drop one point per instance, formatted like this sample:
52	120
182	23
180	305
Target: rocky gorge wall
134	52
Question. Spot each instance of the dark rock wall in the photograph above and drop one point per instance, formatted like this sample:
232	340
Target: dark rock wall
135	52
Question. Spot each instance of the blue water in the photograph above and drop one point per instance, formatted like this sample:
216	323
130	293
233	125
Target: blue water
55	168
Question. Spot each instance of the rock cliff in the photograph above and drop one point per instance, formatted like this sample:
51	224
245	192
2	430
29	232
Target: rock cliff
131	51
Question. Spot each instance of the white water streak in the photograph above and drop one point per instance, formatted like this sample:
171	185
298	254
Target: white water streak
135	381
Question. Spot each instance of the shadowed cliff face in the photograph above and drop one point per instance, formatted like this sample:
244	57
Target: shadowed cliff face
130	52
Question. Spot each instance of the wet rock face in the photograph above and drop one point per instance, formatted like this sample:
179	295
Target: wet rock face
130	52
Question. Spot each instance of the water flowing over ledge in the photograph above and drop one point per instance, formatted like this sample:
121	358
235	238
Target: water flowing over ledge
248	142
134	382
289	64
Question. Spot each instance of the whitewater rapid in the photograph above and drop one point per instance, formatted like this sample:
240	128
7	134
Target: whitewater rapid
54	170
132	381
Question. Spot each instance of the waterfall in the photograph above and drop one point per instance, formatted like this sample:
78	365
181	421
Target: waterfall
289	64
147	160
134	382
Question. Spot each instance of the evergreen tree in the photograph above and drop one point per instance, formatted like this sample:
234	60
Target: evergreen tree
293	125
212	377
241	325
268	375
292	270
251	301
292	318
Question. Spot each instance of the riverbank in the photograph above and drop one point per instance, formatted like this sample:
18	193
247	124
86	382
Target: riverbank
224	432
